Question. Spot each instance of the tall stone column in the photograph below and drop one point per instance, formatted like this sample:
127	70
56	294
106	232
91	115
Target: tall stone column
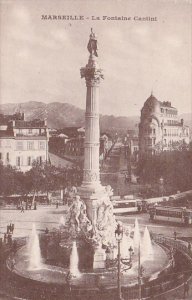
91	187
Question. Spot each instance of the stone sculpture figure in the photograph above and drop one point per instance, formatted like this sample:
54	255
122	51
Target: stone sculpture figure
75	211
78	219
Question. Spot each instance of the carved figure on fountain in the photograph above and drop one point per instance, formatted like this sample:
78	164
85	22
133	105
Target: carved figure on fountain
105	224
78	219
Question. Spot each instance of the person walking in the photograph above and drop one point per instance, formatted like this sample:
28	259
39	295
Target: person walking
189	247
13	227
5	238
186	289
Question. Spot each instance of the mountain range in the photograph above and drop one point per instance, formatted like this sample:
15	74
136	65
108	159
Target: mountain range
60	115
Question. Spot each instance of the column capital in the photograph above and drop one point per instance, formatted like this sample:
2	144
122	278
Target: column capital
92	75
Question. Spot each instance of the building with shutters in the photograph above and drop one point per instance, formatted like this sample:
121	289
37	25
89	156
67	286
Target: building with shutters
22	142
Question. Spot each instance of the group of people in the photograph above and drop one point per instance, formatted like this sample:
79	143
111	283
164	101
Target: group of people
8	234
27	205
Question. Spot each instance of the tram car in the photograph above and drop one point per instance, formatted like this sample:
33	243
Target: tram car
128	206
171	214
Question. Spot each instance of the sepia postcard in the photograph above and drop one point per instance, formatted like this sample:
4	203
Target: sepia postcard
95	149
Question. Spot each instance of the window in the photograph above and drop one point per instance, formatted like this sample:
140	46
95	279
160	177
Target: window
149	142
18	161
29	161
41	159
19	145
30	145
41	145
29	130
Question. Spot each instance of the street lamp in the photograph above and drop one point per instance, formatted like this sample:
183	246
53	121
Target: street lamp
161	181
140	273
119	236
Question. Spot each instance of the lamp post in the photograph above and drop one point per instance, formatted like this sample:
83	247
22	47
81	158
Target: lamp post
119	236
140	273
161	181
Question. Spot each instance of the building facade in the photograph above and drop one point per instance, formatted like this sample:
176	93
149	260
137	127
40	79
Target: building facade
23	142
160	128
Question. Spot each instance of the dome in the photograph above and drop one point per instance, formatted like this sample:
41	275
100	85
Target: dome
152	104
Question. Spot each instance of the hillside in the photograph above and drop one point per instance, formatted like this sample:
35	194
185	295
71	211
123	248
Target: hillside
61	115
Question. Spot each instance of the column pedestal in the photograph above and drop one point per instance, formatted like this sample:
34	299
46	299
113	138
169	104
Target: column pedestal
99	259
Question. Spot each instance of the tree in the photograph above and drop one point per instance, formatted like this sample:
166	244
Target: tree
174	166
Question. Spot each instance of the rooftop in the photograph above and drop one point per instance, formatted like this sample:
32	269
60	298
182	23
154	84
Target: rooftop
29	124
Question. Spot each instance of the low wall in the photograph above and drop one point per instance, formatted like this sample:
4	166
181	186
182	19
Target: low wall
182	247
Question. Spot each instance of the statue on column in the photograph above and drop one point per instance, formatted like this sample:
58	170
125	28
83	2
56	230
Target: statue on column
92	44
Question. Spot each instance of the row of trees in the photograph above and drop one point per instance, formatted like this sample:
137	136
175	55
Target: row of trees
174	167
40	178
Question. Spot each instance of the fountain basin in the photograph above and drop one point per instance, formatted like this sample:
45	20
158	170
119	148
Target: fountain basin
88	279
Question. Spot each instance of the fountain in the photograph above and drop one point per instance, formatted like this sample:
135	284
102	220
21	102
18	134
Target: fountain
136	238
147	249
74	261
124	246
34	250
90	219
62	221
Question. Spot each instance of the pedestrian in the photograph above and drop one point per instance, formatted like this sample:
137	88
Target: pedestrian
14	246
11	226
12	264
35	205
189	247
186	289
5	238
175	235
22	209
9	239
8	229
57	204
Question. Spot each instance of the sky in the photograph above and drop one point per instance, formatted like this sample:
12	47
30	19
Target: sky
40	60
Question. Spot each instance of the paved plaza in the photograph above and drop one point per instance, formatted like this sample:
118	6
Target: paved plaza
48	217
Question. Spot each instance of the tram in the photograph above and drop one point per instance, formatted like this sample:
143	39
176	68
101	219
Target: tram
127	206
172	214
